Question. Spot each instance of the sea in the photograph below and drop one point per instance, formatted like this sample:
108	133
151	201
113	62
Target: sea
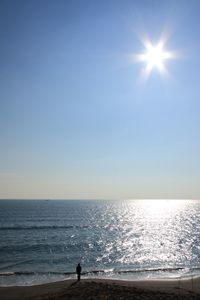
43	240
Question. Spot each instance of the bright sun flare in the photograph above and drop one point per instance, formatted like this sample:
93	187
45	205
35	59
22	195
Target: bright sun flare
154	57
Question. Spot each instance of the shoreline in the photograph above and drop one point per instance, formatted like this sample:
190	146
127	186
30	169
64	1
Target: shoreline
32	278
155	289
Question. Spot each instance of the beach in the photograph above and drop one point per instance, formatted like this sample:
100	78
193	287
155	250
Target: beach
167	289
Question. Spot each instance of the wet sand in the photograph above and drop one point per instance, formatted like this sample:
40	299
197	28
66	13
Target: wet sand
88	289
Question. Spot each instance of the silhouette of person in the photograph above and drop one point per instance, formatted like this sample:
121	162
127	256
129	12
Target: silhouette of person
78	271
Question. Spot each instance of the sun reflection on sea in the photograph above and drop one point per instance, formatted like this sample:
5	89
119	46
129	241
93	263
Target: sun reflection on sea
162	208
154	234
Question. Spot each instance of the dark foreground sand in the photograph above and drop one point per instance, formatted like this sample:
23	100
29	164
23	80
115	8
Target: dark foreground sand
88	289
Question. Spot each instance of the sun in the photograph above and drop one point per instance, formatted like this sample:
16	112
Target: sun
154	57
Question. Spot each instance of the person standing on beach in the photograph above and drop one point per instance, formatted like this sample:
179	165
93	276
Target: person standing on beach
78	271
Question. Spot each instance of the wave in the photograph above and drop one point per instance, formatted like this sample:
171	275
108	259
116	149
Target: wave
43	227
93	272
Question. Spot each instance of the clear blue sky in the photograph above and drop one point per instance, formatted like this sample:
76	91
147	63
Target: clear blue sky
75	120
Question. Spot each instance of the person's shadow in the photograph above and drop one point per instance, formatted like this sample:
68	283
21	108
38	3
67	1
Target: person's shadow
75	282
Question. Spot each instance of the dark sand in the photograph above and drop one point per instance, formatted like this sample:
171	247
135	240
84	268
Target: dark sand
87	289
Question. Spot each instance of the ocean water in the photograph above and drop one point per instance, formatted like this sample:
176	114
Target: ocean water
42	241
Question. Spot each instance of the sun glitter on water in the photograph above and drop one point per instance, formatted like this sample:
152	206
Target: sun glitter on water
162	207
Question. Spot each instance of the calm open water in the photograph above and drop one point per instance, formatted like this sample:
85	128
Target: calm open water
42	241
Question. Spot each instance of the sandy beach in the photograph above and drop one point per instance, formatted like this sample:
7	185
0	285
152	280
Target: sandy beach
184	289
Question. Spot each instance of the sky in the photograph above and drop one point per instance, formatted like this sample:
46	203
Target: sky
77	121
